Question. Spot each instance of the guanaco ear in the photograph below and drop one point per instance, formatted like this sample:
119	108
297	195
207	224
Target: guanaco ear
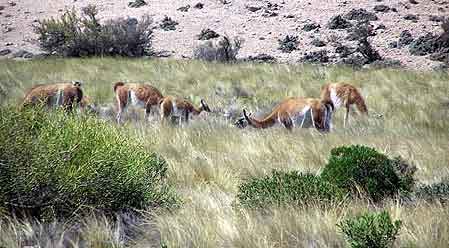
205	106
245	114
77	83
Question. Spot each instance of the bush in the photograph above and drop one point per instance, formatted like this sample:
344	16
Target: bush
168	24
363	170
226	50
435	192
281	188
63	163
75	36
374	230
288	44
207	34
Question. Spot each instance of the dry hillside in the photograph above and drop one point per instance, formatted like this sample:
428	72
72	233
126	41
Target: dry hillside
259	22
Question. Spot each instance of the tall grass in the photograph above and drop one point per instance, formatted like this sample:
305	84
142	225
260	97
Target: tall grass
209	158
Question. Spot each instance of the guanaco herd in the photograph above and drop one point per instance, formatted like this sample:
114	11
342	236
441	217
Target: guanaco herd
291	112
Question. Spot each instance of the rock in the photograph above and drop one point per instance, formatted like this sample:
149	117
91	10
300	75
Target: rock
316	57
22	54
207	34
338	22
424	45
361	15
5	52
393	44
253	8
137	3
184	8
262	58
411	17
198	6
9	44
11	3
405	38
2	7
381	26
318	43
435	18
311	26
289	16
269	13
413	1
382	8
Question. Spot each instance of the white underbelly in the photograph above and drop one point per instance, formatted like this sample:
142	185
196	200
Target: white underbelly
134	100
177	112
303	119
337	101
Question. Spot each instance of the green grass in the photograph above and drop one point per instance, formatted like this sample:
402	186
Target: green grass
209	158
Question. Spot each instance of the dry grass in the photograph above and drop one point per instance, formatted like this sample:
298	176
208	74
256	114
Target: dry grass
209	158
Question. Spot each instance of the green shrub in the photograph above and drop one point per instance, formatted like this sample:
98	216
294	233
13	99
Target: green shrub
74	36
435	192
361	169
58	162
282	188
373	230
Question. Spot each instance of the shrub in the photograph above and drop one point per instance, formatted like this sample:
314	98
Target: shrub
288	44
281	188
63	163
75	36
137	3
374	230
360	168
168	24
434	192
226	50
207	34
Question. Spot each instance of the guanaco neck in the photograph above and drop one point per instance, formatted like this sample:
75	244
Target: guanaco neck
266	122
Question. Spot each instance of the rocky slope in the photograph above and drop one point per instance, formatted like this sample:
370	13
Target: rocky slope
260	23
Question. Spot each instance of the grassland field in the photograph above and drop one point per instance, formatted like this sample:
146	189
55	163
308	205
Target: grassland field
210	157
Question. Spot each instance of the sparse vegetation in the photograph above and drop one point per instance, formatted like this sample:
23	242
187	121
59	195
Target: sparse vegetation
288	44
225	50
168	24
375	230
437	192
75	36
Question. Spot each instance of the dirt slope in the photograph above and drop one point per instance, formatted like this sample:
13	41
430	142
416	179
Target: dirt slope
259	30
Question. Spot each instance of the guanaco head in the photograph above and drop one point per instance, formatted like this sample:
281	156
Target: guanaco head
243	121
118	84
204	106
77	83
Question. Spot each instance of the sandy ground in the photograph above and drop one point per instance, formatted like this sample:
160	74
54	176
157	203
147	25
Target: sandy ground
260	33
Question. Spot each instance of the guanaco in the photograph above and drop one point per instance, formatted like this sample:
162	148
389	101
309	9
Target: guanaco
343	94
55	95
294	112
134	94
174	107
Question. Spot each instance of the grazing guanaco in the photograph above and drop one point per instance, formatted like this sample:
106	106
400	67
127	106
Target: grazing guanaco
174	107
55	95
343	94
294	112
139	95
